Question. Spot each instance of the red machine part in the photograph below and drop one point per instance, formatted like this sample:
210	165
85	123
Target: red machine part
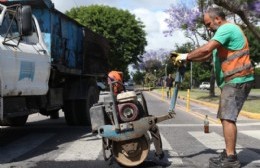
128	112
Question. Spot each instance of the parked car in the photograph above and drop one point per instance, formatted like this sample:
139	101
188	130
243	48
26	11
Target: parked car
204	85
129	86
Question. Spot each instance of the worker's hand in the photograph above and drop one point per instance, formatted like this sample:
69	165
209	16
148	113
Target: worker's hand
181	57
178	58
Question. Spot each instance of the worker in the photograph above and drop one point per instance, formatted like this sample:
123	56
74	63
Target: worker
234	75
116	76
159	157
169	85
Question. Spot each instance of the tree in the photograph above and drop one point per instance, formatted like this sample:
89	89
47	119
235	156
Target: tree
124	32
254	45
185	18
246	10
138	77
190	20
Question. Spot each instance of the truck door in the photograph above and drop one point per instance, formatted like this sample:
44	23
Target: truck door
24	63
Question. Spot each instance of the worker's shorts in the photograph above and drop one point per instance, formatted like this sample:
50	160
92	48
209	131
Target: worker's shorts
232	99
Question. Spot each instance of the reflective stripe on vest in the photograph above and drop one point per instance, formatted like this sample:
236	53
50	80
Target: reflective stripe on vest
235	63
236	55
247	66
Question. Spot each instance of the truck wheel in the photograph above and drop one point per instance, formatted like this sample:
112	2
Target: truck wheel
54	114
16	121
69	112
83	114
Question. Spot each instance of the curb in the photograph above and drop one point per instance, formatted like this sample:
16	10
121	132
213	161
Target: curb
242	112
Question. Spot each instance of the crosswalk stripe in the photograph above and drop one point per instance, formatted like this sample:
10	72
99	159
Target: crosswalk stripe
256	156
252	133
211	125
88	147
214	141
211	140
22	146
173	156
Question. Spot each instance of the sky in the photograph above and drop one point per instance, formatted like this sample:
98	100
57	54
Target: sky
150	12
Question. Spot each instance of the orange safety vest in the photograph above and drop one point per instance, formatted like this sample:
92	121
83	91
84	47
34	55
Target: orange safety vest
235	63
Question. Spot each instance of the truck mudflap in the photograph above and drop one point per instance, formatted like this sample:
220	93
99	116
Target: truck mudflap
132	130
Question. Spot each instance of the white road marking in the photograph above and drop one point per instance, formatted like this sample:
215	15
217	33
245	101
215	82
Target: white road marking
186	125
88	147
213	125
216	142
211	140
22	146
252	133
255	157
173	157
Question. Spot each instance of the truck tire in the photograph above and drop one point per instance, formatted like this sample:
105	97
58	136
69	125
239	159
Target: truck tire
69	112
54	114
83	114
15	121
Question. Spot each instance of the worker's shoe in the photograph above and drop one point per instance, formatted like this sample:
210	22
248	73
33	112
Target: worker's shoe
161	160
224	161
222	155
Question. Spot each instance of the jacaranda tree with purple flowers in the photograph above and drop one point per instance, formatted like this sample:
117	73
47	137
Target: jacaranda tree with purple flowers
183	17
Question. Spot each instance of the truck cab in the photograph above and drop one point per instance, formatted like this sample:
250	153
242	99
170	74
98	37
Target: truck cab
48	62
24	62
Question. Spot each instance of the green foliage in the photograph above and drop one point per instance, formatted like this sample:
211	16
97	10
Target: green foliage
257	71
201	72
149	80
186	81
138	77
152	64
254	45
185	48
124	32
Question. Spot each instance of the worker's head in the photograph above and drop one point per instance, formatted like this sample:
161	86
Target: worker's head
116	76
213	18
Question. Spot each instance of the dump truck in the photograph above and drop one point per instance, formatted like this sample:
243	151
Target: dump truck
48	62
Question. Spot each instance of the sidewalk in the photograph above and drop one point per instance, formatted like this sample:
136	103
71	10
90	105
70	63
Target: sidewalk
214	107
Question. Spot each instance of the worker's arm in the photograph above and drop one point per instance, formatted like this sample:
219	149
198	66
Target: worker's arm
204	52
200	54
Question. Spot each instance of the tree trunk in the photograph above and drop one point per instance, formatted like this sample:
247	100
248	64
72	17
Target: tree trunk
212	83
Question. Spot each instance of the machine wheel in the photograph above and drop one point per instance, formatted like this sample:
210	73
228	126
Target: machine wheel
15	121
106	147
131	152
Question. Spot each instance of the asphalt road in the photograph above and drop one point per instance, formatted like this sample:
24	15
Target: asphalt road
51	143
